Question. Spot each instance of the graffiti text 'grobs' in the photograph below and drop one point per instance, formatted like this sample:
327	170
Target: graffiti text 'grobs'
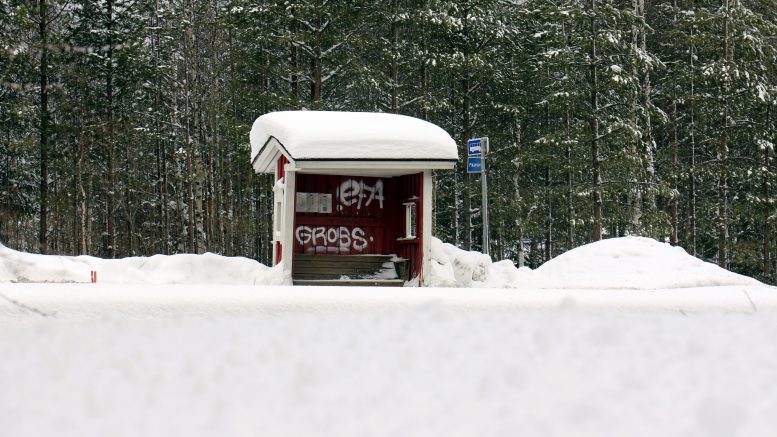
353	192
342	237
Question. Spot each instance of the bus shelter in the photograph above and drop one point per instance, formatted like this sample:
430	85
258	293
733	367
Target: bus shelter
352	193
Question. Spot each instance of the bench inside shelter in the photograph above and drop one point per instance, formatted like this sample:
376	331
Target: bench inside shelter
368	270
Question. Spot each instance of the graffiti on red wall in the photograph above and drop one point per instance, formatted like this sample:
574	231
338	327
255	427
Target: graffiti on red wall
332	239
353	192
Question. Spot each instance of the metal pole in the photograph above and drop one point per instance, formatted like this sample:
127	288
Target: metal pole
484	205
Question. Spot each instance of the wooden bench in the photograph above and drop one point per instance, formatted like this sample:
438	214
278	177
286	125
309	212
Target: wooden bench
345	270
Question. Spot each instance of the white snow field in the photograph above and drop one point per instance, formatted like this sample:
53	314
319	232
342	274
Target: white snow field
572	353
416	369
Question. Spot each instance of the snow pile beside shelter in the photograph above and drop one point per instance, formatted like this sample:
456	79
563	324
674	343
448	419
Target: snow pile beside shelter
618	263
454	267
158	269
634	263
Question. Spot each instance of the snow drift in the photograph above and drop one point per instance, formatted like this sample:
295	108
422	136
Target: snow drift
158	269
638	263
617	263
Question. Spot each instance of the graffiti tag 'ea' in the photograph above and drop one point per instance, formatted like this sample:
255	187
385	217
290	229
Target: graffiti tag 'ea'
352	192
343	237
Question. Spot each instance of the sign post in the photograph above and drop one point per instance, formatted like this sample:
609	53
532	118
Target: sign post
477	149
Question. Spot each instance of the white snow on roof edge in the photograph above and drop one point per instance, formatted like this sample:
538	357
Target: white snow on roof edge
330	135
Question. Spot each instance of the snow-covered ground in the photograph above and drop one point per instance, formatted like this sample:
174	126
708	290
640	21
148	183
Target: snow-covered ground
78	302
415	368
622	337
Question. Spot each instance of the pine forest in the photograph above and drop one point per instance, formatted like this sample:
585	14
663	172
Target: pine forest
124	123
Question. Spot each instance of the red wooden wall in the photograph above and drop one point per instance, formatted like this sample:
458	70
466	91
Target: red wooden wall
363	212
412	189
280	172
367	216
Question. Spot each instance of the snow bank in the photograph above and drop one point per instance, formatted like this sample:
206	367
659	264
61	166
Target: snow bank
27	267
635	263
158	269
616	263
454	267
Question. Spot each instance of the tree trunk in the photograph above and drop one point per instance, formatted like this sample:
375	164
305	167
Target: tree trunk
129	247
211	216
423	108
692	168
56	216
635	192
394	61
188	114
163	196
161	231
466	204
466	133
647	122
316	82
80	184
568	156
596	235
517	189
294	64
189	177
548	198
723	147
674	170
500	248
44	125
766	192
549	218
673	137
423	112
109	243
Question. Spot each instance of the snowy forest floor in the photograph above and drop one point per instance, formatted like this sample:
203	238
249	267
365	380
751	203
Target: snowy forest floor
162	360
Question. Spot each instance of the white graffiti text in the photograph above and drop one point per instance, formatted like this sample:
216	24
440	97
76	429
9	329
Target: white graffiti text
355	192
341	237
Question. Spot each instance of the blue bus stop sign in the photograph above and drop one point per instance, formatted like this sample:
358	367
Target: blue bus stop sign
474	147
474	164
477	146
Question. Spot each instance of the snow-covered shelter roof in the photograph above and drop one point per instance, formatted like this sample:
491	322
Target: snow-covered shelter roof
323	136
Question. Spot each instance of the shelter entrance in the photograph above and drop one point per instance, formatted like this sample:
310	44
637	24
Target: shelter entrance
356	226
